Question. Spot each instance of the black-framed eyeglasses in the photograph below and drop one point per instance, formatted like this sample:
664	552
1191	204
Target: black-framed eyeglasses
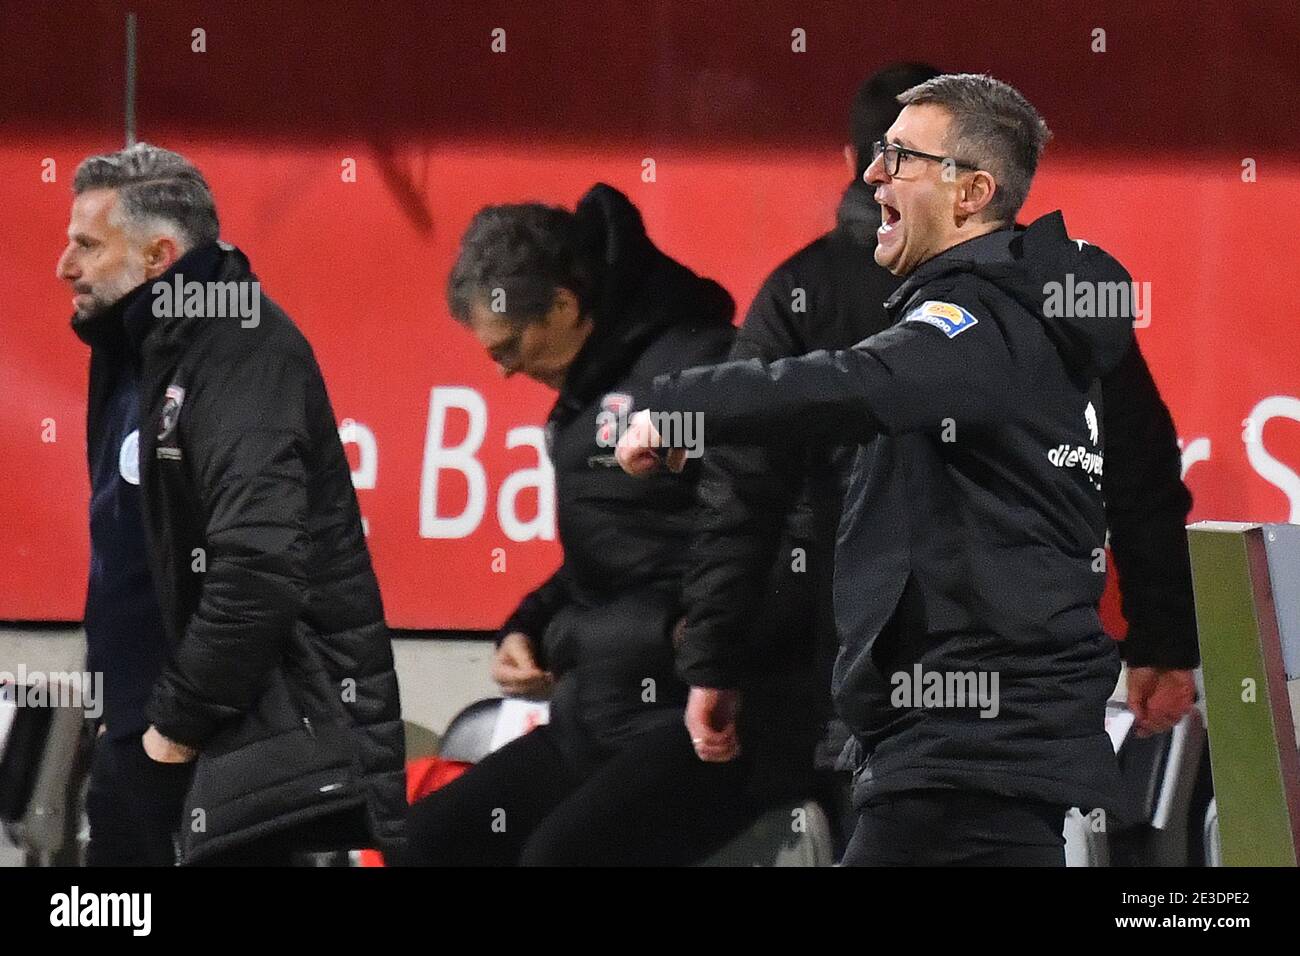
894	157
506	353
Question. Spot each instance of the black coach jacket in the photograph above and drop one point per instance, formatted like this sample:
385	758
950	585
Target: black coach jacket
604	622
973	527
280	668
758	593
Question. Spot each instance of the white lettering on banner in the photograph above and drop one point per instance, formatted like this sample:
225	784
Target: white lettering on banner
367	470
463	457
542	478
1197	450
1268	467
459	458
1264	464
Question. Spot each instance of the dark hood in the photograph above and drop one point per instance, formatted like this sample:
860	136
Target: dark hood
129	320
639	291
1038	266
858	215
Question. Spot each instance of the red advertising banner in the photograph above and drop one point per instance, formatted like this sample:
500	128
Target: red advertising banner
354	238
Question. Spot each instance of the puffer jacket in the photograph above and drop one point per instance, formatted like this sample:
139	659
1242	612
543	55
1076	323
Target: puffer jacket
280	667
604	622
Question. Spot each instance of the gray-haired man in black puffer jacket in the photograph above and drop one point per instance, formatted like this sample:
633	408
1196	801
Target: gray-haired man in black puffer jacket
232	607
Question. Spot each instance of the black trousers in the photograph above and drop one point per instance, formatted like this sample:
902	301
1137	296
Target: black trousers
957	828
134	804
652	803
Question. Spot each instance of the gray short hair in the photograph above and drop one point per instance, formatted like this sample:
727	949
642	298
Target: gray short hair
154	185
994	127
521	253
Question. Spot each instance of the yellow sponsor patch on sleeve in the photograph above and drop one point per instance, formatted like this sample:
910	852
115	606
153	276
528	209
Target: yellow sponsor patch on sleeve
948	318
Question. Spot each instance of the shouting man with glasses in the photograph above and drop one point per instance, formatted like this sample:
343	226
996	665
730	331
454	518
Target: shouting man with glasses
974	671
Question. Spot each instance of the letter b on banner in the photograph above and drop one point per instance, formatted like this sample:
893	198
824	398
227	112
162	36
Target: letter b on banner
457	458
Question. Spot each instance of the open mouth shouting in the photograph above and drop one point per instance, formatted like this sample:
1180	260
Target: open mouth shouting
889	218
890	234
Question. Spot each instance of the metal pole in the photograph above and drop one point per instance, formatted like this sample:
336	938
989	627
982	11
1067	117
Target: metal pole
130	79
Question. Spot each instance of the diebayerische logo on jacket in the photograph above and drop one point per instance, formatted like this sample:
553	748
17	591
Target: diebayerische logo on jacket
1078	456
171	413
948	318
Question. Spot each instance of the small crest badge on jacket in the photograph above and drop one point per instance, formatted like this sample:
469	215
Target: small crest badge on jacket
171	413
614	410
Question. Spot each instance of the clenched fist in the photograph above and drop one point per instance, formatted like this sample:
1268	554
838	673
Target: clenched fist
1159	698
515	668
638	451
711	721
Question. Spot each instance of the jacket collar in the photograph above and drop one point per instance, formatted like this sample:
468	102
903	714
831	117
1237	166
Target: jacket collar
130	321
1005	245
986	248
103	331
